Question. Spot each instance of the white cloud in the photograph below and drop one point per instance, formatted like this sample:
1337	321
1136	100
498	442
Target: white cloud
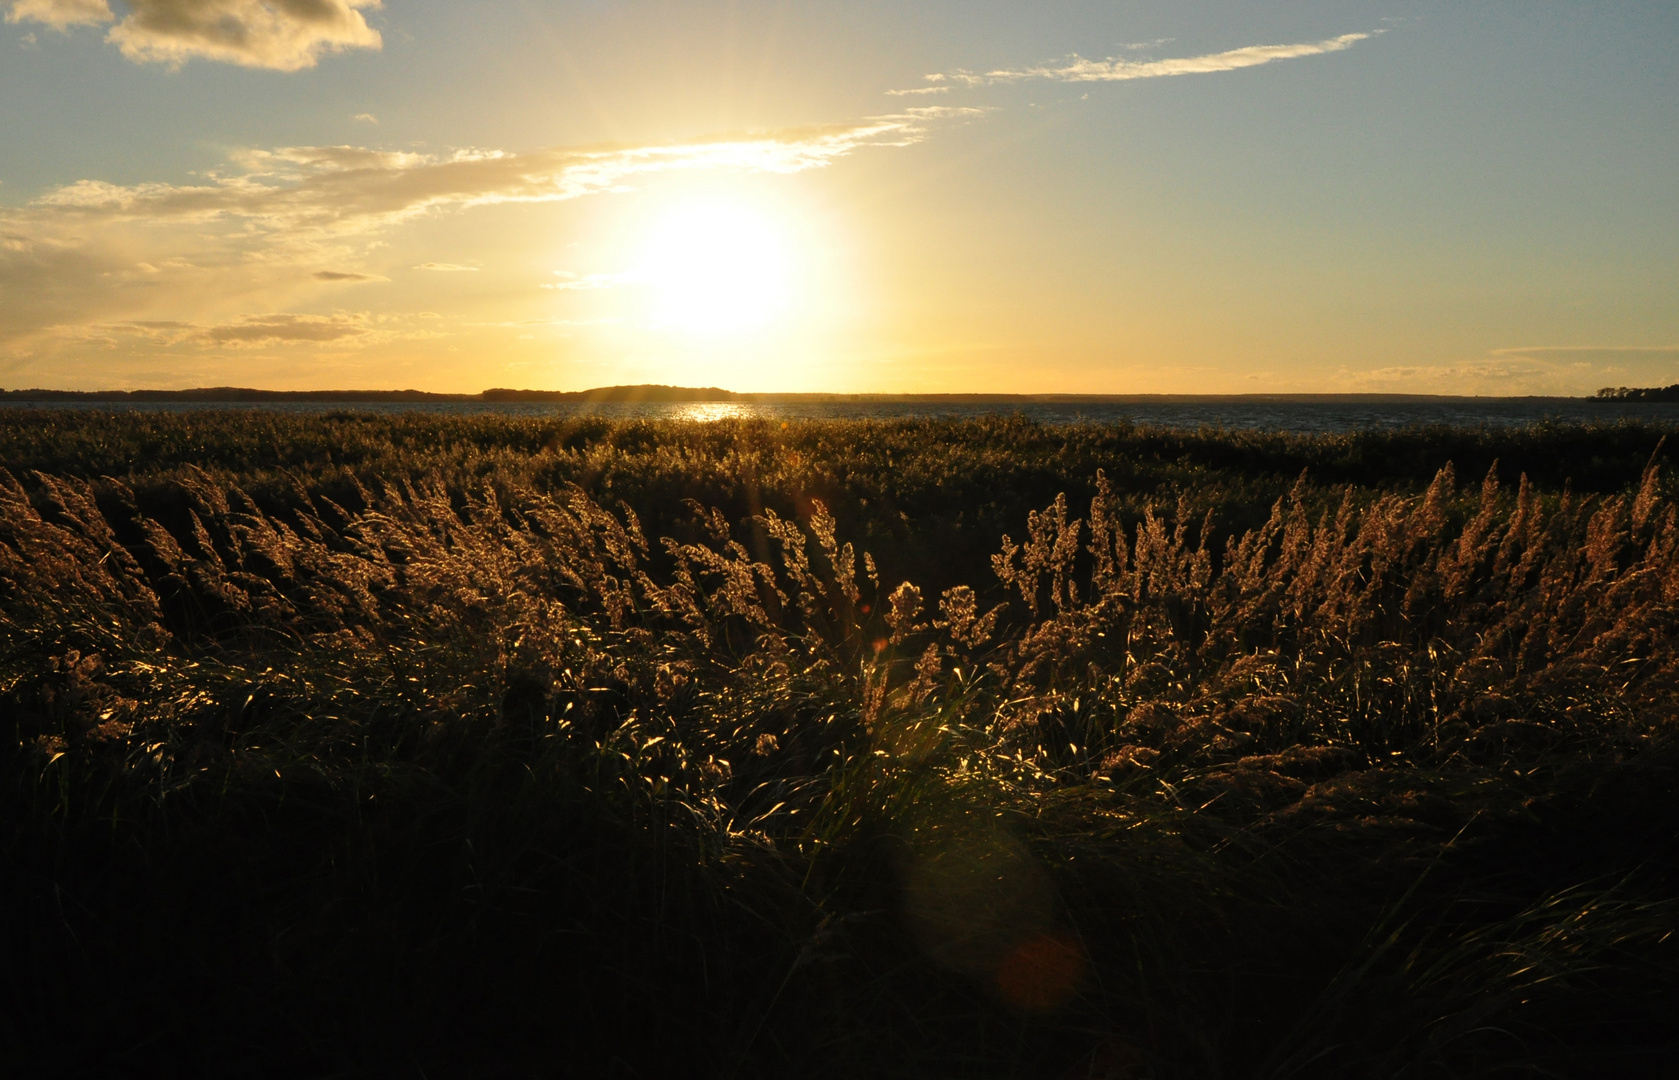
322	191
447	268
60	14
284	35
366	118
258	233
1117	69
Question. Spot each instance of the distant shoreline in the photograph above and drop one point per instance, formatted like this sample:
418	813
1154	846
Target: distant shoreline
680	394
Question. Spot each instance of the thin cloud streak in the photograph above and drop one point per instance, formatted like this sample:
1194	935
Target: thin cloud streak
569	280
1076	69
1531	350
341	329
256	330
1565	370
244	332
346	275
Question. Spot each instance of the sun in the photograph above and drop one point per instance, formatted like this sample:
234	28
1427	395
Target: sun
715	266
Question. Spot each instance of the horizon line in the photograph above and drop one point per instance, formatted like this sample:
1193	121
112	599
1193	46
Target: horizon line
662	393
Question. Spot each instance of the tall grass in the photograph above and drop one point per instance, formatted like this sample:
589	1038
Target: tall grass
464	769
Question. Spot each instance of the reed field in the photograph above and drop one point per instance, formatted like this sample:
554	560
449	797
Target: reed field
362	745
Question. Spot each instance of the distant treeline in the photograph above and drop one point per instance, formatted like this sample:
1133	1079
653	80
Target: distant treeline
1638	393
239	393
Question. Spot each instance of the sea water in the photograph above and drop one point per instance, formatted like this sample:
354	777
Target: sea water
1327	414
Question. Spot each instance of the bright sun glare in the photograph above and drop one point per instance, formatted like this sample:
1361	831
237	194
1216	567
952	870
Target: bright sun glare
715	266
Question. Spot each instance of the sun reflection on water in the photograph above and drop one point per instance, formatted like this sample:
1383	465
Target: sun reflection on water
707	411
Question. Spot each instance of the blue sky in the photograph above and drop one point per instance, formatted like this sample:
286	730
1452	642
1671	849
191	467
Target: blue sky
1106	198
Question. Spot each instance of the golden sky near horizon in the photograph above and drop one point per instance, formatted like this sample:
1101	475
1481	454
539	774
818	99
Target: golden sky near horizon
911	197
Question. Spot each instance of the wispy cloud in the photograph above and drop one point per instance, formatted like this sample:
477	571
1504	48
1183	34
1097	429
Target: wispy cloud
59	14
346	275
244	332
270	329
1076	69
1532	369
283	35
340	190
1471	373
96	253
569	280
1571	351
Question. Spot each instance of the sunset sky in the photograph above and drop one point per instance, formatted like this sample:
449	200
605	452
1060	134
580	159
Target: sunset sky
1182	196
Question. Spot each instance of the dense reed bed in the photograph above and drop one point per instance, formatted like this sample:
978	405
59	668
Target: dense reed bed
353	745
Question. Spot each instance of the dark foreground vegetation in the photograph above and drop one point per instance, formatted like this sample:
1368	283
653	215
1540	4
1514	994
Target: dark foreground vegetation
374	746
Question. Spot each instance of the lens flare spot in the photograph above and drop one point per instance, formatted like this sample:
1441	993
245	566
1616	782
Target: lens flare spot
1041	974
